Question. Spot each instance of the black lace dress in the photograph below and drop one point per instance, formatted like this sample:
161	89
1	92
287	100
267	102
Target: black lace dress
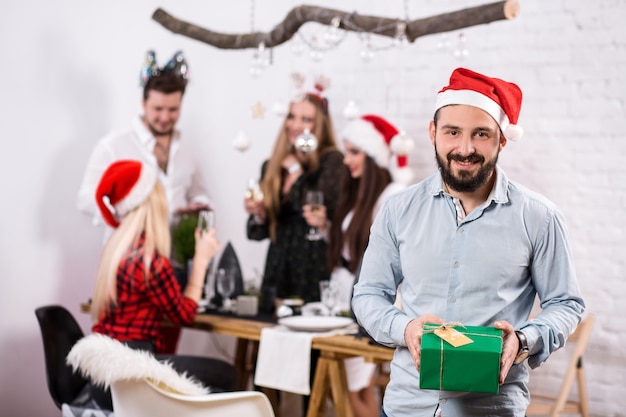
295	265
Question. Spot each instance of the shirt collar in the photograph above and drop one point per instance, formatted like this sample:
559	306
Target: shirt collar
145	136
499	193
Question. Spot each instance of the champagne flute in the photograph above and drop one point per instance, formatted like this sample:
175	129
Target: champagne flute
206	221
225	287
315	199
255	193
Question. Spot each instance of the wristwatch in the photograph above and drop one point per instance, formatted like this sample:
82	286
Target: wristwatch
522	354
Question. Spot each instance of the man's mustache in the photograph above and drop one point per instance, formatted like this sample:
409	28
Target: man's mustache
473	158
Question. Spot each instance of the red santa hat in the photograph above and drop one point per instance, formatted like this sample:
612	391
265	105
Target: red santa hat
502	100
124	186
381	140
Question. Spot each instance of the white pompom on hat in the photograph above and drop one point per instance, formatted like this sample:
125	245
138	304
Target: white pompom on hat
125	185
381	140
501	99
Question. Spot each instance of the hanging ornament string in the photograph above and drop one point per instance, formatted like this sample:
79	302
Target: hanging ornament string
252	5
262	56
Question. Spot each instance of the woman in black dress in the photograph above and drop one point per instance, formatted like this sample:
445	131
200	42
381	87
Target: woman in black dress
295	264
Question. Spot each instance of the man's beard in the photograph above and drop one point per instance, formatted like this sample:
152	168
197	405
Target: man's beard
465	182
158	132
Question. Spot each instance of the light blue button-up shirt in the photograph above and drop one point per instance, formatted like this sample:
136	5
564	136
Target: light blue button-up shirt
487	267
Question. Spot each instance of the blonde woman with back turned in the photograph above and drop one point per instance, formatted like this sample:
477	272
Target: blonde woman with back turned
136	288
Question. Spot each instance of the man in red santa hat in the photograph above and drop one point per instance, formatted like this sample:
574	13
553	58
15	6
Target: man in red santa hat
469	246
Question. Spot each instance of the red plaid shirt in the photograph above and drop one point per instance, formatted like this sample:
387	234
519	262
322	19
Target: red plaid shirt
141	306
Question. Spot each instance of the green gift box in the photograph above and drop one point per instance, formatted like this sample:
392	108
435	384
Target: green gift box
474	367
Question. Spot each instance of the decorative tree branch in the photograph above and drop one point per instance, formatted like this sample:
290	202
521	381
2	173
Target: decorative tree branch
300	15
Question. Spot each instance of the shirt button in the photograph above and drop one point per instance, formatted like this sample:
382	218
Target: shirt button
461	230
443	401
453	299
456	264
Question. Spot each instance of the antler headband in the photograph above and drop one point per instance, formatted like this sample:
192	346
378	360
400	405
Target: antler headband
176	65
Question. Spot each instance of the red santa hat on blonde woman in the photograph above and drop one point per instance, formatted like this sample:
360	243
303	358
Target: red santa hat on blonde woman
502	100
123	187
381	140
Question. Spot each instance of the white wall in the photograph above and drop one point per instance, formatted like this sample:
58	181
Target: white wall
70	72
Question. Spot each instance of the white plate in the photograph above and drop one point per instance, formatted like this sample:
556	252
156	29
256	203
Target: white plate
315	323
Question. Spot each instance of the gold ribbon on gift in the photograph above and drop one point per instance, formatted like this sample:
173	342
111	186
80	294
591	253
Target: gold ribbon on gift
451	335
455	338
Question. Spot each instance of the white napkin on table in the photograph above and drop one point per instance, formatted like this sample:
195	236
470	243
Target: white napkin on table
284	358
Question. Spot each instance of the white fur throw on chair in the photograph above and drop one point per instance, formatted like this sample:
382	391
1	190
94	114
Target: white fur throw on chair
105	360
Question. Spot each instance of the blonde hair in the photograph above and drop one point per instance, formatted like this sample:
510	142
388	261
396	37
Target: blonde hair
273	176
150	217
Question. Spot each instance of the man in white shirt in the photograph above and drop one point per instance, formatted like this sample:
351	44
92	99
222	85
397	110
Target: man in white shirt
154	140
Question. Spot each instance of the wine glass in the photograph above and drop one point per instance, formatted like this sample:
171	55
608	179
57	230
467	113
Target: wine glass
255	193
315	199
328	295
206	220
225	287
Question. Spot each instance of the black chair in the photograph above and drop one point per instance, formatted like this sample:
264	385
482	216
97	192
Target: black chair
60	331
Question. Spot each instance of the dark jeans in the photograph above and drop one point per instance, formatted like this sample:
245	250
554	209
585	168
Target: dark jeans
218	375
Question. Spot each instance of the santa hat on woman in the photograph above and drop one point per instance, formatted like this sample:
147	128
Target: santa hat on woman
123	187
381	140
501	99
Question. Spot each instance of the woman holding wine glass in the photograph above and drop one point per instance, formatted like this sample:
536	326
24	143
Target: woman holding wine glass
366	143
305	158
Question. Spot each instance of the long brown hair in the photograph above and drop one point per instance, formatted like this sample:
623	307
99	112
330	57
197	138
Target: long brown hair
360	196
273	175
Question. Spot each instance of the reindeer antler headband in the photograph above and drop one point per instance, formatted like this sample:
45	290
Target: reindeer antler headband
176	65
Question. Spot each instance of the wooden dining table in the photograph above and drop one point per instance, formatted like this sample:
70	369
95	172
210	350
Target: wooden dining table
329	377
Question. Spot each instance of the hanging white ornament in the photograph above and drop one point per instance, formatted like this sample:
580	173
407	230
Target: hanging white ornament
367	54
351	111
316	56
461	51
306	142
241	142
298	47
280	108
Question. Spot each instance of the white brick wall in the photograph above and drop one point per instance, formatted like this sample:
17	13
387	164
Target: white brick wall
568	57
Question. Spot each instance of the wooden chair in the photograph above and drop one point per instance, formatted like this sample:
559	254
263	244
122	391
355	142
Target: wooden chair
541	404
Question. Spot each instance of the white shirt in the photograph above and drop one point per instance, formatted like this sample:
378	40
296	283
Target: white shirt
183	183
